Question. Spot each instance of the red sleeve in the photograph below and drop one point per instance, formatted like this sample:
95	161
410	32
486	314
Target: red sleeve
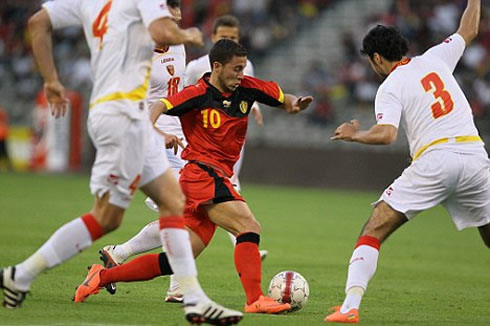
267	92
189	98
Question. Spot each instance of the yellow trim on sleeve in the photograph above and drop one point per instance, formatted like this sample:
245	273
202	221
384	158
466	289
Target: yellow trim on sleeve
137	94
458	139
281	95
167	104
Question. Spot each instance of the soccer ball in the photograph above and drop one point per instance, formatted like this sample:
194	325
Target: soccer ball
289	287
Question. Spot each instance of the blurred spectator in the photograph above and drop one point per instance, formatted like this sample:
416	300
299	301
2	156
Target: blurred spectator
5	162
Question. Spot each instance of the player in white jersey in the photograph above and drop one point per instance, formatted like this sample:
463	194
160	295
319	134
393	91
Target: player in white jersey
225	27
450	165
121	36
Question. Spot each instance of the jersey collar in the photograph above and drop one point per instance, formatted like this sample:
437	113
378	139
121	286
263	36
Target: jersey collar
400	63
205	79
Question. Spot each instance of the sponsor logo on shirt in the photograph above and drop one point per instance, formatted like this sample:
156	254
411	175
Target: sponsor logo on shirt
389	191
379	116
448	40
165	60
226	103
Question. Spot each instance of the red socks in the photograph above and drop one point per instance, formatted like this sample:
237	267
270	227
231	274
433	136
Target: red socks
142	268
249	265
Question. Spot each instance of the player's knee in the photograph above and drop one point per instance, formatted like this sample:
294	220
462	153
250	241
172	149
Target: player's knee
251	225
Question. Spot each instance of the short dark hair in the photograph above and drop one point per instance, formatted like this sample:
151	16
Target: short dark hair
387	41
173	3
226	20
224	50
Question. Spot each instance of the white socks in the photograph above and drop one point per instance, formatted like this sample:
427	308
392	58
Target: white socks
66	242
177	246
362	267
147	239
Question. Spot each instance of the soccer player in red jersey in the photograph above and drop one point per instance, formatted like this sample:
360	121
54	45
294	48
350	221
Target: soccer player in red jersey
214	117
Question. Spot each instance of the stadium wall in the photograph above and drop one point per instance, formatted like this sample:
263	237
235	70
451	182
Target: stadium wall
360	170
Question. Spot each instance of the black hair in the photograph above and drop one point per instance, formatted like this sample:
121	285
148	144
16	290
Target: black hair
224	50
226	20
386	41
173	3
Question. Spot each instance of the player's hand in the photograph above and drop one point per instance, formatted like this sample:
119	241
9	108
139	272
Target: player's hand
171	141
346	131
195	37
257	113
301	104
57	102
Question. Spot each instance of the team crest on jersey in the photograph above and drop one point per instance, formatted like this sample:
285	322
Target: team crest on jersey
226	103
244	106
171	69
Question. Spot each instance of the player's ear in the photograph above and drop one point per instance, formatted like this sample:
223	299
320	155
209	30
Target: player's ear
377	58
216	65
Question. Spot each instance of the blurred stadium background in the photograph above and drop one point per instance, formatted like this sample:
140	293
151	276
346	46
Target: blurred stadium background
308	46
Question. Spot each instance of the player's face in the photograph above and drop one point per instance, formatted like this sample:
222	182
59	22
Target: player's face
226	32
375	67
230	75
176	13
378	68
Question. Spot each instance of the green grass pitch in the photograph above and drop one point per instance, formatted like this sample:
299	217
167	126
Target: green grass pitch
428	273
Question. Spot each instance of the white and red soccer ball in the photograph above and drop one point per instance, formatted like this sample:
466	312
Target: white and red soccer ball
289	287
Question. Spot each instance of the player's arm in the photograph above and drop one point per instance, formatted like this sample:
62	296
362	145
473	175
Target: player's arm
293	104
158	108
165	31
470	21
377	135
40	29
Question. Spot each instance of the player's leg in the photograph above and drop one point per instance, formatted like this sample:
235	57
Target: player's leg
425	184
236	217
174	293
362	266
235	181
112	195
142	268
166	192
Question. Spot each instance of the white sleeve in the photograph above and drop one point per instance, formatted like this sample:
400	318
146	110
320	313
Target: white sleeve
152	10
190	77
388	108
249	69
63	13
449	51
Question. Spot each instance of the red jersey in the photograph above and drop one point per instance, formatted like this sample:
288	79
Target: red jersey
215	123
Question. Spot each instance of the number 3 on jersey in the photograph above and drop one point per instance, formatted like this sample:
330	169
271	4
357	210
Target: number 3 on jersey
444	103
99	27
211	117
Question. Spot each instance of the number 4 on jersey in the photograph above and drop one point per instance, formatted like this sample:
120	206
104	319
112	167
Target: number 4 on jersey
444	102
99	27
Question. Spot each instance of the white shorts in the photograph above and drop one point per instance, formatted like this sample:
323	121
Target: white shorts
460	182
175	160
129	155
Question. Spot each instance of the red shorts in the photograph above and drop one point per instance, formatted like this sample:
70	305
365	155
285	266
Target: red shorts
203	185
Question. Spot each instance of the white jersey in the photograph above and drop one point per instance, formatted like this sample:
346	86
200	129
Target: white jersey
422	94
196	68
166	79
120	46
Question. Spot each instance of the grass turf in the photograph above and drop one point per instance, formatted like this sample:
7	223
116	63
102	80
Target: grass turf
428	274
